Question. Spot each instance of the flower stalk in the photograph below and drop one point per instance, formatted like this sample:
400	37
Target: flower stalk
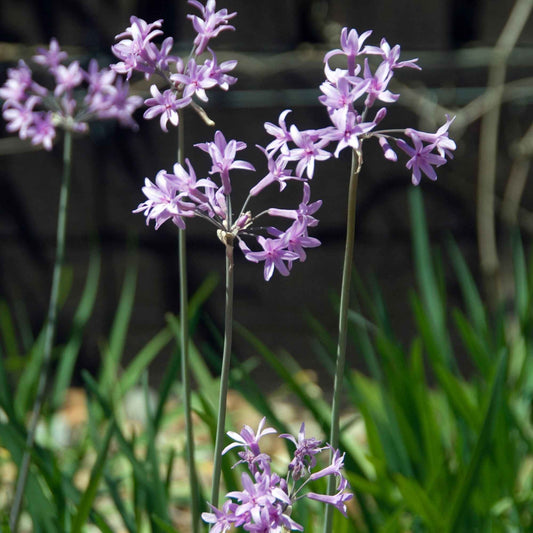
184	347
50	331
224	376
357	161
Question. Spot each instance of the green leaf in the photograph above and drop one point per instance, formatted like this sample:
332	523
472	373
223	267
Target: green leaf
89	495
162	524
131	375
427	280
28	380
156	492
471	296
70	352
419	502
41	508
467	481
127	517
119	330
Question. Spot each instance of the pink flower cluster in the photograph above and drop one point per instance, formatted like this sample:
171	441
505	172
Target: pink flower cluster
343	89
179	195
266	500
184	80
78	97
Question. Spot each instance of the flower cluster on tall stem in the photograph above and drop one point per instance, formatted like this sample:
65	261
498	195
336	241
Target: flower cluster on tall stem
180	195
75	97
72	99
266	500
351	96
184	81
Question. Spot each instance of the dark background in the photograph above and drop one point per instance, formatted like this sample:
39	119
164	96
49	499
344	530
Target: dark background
279	45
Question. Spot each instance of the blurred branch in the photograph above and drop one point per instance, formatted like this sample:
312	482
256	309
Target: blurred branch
516	183
488	146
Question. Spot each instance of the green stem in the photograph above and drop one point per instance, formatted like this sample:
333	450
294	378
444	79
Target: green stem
49	334
185	363
224	377
357	161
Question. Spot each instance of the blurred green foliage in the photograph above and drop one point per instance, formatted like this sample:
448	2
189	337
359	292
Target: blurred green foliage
427	449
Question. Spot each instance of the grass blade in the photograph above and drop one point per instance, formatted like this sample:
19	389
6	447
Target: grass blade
85	505
468	479
83	313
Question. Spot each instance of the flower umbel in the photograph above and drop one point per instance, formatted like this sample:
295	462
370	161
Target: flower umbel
178	195
350	100
266	499
76	97
184	80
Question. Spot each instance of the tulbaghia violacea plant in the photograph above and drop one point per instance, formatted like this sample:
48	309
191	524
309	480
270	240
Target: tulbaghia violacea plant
74	97
353	94
184	80
179	195
267	499
181	83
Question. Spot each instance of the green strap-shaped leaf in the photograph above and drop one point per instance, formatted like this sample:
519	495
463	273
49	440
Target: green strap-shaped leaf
466	482
85	505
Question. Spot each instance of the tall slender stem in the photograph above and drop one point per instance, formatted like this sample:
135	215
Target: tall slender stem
224	376
49	333
185	363
357	161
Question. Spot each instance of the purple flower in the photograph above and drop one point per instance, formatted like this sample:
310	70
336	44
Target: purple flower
42	131
274	253
265	502
100	80
277	171
351	44
297	239
343	93
377	89
195	80
210	24
281	134
135	49
337	500
20	116
223	520
187	183
304	211
248	438
67	78
163	203
52	57
388	152
122	105
422	159
391	55
334	469
309	149
222	155
166	105
220	72
438	140
347	130
304	456
19	83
